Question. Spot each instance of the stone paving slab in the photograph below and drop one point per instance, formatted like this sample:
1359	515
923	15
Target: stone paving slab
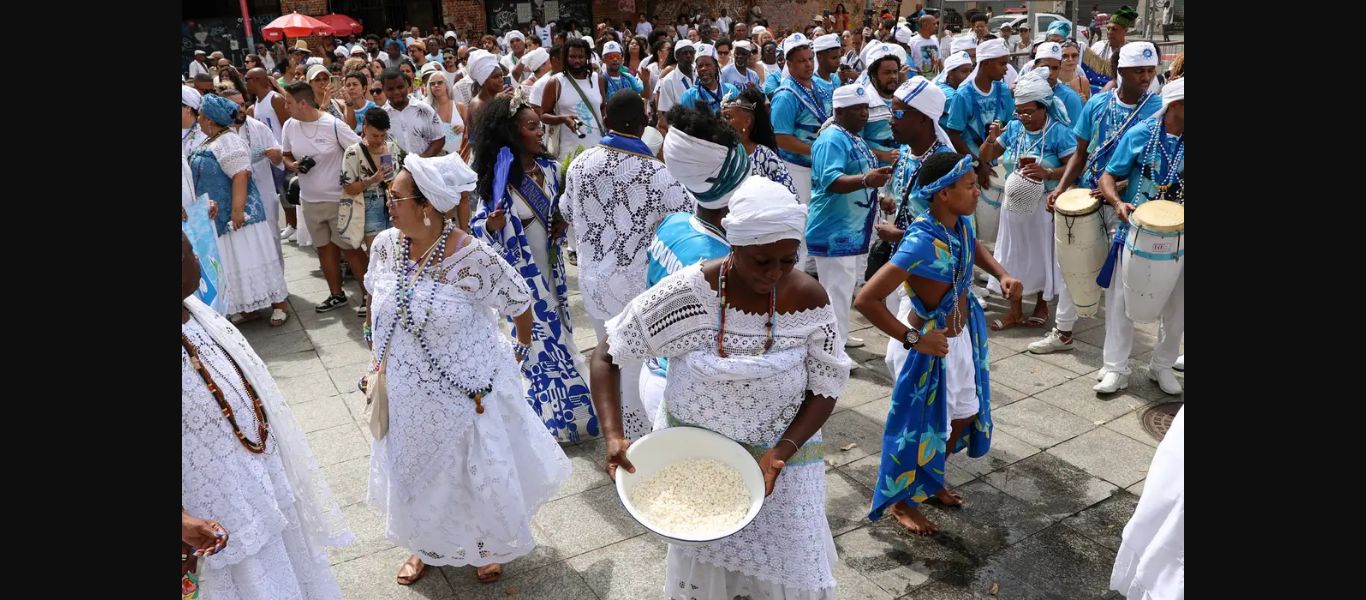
1042	520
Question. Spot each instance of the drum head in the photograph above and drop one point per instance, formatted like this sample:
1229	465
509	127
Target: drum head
1159	215
1076	202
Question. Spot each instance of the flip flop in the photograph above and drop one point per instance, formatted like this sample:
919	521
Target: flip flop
1035	322
278	317
999	325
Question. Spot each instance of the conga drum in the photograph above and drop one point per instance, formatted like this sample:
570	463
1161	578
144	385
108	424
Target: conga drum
1080	241
1152	258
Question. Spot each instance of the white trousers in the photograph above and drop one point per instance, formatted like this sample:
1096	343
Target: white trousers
1119	330
1067	309
896	351
801	179
635	420
839	275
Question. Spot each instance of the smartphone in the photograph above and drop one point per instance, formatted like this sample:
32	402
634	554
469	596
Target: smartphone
387	160
507	81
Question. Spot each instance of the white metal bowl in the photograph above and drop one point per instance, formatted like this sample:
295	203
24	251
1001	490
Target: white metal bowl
662	448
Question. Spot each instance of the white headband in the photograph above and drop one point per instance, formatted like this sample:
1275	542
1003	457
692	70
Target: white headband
441	179
763	211
482	64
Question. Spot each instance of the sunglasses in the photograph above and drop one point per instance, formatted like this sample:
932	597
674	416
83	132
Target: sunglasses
377	91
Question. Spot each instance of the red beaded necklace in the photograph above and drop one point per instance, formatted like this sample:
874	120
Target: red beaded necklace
262	426
772	313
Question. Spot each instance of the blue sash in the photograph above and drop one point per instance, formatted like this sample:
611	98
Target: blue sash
629	144
807	99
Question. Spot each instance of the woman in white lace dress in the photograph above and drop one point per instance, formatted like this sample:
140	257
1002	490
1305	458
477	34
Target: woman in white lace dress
752	351
256	513
465	462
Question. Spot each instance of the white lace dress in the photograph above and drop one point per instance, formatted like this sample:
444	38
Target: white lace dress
787	552
457	487
267	556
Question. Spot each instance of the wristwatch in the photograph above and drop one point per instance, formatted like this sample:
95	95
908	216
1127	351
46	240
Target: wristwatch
912	337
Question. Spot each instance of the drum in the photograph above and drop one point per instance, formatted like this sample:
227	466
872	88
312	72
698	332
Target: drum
1080	241
1152	258
988	215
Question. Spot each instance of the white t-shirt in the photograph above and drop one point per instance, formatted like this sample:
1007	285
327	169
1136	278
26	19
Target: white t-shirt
197	68
543	32
671	88
538	88
923	52
415	127
325	140
644	29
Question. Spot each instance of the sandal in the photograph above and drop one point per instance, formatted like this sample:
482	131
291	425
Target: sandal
489	573
408	574
998	325
1035	322
278	317
241	318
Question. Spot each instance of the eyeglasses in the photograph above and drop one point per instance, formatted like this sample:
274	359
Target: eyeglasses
725	53
377	91
1026	115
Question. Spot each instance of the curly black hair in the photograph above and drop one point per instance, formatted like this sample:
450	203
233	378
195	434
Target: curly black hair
703	124
495	128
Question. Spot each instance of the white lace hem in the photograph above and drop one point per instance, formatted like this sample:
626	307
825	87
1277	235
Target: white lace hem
255	277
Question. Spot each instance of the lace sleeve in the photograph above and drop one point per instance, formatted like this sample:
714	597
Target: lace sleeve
232	153
827	366
381	255
484	275
666	320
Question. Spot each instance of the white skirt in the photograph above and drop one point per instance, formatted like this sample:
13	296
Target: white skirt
251	263
451	519
1024	246
283	569
1151	564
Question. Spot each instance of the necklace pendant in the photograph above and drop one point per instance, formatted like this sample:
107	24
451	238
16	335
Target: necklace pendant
1163	187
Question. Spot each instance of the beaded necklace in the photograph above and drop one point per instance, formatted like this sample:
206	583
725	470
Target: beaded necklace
258	410
954	320
1157	148
406	290
772	312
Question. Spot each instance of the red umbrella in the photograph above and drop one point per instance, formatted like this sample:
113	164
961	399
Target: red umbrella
295	25
342	24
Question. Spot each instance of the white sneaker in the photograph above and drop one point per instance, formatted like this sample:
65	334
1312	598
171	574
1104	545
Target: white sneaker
1166	380
1180	363
853	342
288	232
1111	383
1051	343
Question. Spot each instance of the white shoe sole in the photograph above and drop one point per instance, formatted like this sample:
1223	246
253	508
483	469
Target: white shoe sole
1154	379
1123	385
1051	349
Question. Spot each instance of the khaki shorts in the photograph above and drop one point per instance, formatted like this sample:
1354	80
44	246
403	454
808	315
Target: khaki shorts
321	220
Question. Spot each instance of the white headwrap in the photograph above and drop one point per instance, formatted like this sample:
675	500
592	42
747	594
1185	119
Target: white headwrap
1173	91
534	59
963	43
992	48
762	211
611	48
850	95
682	43
710	172
903	34
1033	87
743	44
927	99
482	64
758	29
514	35
827	42
653	140
441	179
1137	54
314	60
191	97
955	60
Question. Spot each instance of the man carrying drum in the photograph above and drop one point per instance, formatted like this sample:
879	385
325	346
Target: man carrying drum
1100	126
1151	157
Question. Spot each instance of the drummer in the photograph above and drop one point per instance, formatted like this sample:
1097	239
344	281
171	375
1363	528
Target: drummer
1103	120
752	352
1151	158
1035	146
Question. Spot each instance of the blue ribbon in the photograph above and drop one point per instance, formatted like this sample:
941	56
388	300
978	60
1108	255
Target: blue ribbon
926	193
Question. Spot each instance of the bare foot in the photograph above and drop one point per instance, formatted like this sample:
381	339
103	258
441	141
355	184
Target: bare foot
911	518
489	573
949	497
412	570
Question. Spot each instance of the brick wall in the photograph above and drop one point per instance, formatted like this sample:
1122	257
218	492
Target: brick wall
467	16
312	8
613	9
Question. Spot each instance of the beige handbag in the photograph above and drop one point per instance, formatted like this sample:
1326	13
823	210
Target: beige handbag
374	384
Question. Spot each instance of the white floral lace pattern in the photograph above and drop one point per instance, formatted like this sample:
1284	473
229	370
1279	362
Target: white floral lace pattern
458	487
615	201
750	396
232	153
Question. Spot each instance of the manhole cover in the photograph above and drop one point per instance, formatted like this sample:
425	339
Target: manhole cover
1158	419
